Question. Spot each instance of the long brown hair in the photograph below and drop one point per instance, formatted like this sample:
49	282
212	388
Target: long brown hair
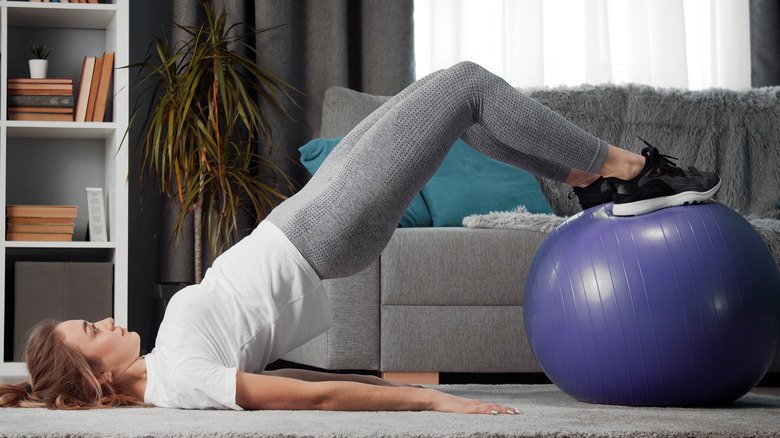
62	377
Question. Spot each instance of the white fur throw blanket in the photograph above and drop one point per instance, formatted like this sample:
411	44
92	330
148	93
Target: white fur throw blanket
521	219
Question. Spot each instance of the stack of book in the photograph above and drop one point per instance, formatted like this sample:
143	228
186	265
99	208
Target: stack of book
40	99
94	88
41	222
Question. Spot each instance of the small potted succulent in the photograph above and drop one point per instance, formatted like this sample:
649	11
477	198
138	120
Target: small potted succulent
38	63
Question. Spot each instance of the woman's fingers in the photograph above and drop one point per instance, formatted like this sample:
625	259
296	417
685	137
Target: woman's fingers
444	402
494	409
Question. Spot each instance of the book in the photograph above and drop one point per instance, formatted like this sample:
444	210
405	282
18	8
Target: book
47	117
41	101
93	89
53	211
103	88
40	81
43	228
40	237
86	78
39	87
36	109
96	227
40	220
41	92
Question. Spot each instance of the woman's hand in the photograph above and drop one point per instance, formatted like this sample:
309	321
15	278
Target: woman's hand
443	402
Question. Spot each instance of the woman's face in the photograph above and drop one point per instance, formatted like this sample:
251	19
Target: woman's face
116	347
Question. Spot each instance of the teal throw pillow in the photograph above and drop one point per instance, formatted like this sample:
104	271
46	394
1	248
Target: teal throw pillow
314	153
469	182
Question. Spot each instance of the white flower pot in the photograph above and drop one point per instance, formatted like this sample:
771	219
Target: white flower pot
38	68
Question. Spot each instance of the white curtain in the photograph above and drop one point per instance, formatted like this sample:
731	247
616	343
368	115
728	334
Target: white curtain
690	44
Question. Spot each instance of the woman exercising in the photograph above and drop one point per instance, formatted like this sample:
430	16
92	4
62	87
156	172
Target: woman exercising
265	296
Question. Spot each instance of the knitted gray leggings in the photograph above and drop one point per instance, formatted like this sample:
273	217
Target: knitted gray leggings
342	219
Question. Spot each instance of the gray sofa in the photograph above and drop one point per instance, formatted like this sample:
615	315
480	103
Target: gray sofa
450	299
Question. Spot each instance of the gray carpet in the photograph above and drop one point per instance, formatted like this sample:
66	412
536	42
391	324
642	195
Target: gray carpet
546	412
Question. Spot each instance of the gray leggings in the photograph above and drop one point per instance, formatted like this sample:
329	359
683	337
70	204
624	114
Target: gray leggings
342	219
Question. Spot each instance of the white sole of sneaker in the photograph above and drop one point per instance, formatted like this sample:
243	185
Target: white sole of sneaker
653	204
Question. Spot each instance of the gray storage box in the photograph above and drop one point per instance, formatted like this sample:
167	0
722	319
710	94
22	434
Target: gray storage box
59	290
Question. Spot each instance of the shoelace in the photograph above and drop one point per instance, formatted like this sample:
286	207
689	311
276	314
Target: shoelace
665	162
662	161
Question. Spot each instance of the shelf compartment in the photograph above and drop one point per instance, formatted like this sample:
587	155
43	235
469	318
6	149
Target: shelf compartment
37	129
68	49
48	171
61	15
12	255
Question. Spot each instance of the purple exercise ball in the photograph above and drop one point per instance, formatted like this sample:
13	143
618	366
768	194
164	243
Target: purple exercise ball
678	307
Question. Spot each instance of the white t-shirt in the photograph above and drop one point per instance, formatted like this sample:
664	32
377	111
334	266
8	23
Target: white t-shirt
259	300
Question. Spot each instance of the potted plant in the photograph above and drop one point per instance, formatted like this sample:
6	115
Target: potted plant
200	133
38	63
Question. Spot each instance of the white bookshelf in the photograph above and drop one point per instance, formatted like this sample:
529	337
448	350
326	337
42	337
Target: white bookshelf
70	154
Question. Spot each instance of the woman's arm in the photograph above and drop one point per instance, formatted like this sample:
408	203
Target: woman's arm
262	391
317	376
353	396
256	391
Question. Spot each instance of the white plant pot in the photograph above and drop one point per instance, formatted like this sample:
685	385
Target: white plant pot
38	68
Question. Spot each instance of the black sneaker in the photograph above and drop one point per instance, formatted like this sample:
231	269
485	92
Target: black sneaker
661	184
596	193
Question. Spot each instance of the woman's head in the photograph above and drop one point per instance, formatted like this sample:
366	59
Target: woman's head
72	372
114	347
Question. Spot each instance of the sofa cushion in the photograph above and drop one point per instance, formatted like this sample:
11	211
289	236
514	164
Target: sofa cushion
457	266
485	339
343	109
314	153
